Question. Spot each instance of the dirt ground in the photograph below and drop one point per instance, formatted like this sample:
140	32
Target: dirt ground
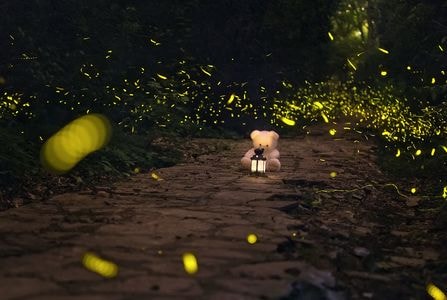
329	225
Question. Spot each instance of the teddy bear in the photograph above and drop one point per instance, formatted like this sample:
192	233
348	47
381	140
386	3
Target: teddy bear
268	141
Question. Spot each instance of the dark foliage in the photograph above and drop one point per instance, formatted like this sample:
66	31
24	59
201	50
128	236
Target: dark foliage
172	66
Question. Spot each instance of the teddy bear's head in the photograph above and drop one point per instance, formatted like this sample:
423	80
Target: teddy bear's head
264	139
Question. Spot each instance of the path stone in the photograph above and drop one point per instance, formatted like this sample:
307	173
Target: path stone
206	206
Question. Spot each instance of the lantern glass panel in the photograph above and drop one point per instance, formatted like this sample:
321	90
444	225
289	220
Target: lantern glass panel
262	165
254	165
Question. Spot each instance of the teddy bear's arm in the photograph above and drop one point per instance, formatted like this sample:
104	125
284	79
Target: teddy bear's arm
274	154
250	153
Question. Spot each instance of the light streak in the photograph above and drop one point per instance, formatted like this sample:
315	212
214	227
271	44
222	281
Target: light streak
231	99
352	65
326	120
288	121
205	71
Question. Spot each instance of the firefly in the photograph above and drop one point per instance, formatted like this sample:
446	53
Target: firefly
352	65
190	263
231	99
326	120
252	238
435	292
288	121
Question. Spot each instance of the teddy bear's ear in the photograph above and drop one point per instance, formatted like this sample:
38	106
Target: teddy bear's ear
254	133
274	134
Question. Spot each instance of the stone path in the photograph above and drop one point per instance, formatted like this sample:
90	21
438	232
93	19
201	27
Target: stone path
206	206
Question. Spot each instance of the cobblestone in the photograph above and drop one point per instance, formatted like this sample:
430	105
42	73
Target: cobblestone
207	206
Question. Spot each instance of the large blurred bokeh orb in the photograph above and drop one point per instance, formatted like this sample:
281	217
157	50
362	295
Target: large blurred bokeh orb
66	148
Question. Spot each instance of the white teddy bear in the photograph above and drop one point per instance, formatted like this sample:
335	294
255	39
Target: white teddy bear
267	140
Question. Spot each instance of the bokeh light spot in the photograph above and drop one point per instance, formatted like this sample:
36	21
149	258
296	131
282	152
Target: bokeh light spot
435	292
252	238
66	148
103	267
190	263
155	176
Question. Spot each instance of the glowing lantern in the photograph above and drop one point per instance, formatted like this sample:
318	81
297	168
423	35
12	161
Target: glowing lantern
258	161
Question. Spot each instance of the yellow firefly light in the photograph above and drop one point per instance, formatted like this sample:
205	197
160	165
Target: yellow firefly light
398	153
62	151
413	190
288	121
325	118
333	174
154	176
252	238
330	36
435	292
205	71
100	266
383	73
418	152
433	150
162	77
318	105
190	263
231	99
444	192
433	80
352	65
155	42
383	50
332	131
